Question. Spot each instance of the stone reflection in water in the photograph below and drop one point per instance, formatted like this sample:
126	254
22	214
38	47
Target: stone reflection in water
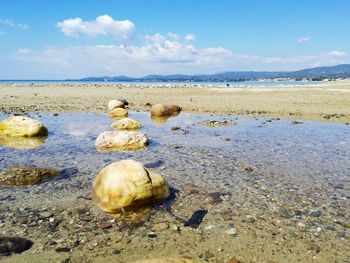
22	143
159	121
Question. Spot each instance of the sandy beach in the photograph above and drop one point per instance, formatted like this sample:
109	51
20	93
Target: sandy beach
273	188
329	101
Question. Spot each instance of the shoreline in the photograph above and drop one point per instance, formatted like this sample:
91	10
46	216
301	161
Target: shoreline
322	102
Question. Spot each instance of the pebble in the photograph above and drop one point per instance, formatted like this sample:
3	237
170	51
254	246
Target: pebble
232	231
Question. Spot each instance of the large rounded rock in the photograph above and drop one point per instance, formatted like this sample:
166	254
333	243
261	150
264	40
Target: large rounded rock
121	140
26	175
127	184
166	260
126	124
161	110
22	126
118	112
113	104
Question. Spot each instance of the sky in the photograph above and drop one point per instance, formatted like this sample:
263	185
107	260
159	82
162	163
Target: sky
42	39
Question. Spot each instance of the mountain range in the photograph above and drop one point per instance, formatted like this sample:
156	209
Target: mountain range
319	73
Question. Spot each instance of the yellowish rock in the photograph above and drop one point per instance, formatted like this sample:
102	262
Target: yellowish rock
115	104
121	140
166	260
127	184
161	110
22	126
118	112
126	124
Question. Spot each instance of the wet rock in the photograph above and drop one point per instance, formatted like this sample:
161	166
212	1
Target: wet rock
297	122
113	104
166	260
14	245
315	213
126	124
121	140
126	185
22	126
196	219
216	123
233	260
26	175
175	128
160	110
118	113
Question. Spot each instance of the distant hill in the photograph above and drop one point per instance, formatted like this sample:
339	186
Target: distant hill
319	73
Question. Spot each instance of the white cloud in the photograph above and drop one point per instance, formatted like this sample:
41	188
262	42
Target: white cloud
190	37
14	24
103	25
302	40
157	55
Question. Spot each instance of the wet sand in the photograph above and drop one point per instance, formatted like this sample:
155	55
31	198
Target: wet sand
329	101
274	191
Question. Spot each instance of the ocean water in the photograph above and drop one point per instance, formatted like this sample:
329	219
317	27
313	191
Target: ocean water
235	83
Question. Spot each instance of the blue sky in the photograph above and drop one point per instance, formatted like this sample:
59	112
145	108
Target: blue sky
72	39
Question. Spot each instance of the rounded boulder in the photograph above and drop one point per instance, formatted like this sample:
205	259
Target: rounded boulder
113	104
118	113
22	126
121	140
161	110
127	184
126	124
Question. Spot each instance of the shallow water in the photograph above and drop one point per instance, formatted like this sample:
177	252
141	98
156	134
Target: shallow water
269	168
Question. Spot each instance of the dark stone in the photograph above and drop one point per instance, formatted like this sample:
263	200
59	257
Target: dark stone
14	245
62	249
196	219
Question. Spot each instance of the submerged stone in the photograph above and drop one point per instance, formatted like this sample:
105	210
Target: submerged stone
126	124
126	185
121	140
14	245
22	126
26	175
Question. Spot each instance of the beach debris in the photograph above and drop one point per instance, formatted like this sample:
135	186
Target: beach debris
22	126
166	260
126	124
121	140
118	112
127	184
196	219
160	110
113	104
14	245
26	175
